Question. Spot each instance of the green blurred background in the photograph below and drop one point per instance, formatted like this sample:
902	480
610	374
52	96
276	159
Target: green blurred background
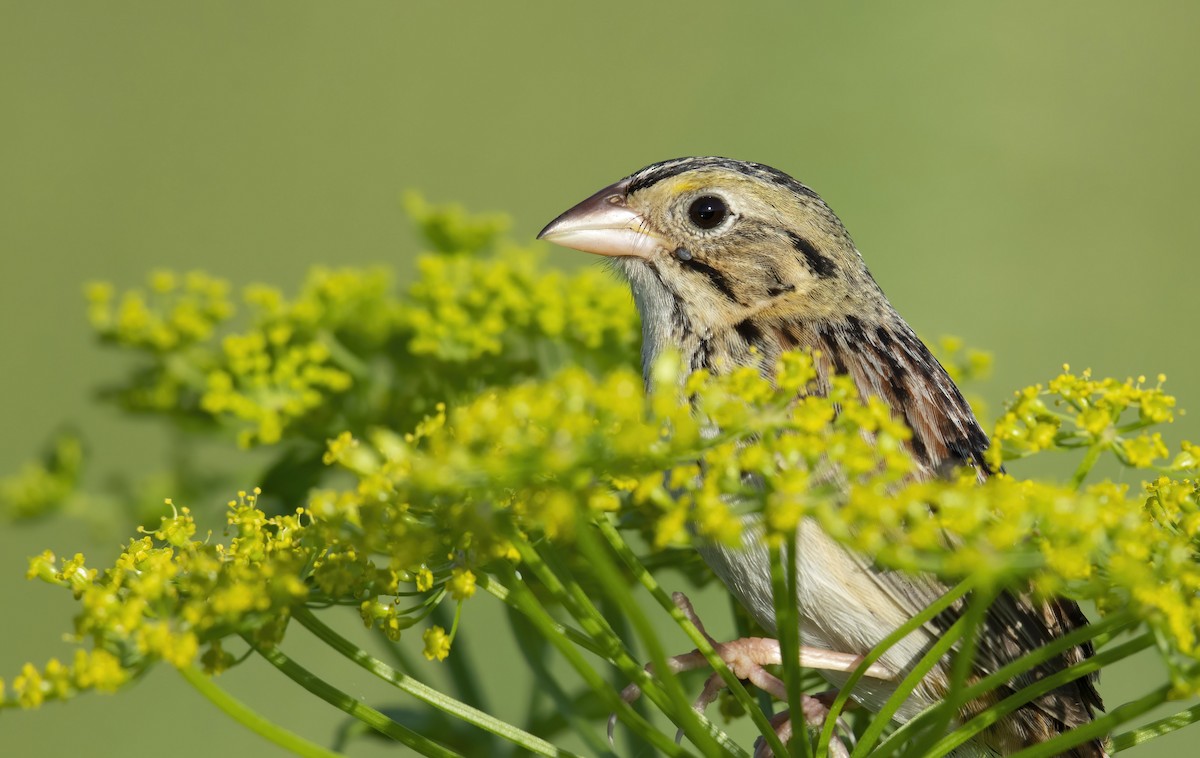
1022	175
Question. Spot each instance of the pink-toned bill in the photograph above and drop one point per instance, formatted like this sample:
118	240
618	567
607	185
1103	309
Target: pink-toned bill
603	224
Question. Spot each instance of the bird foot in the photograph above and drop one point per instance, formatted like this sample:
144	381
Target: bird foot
816	710
746	658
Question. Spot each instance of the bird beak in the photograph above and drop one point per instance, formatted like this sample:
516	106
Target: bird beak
603	224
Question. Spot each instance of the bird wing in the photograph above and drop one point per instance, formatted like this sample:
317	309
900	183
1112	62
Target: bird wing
1015	623
890	361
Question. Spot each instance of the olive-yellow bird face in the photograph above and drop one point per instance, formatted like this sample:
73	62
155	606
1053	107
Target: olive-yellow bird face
727	239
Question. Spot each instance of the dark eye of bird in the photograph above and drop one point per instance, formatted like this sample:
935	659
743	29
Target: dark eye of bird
707	212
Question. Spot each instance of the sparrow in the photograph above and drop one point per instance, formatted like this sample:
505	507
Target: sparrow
732	263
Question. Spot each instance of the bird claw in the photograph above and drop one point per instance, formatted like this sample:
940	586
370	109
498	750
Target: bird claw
816	711
746	658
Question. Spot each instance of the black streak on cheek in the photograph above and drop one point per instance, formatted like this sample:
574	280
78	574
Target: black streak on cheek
662	282
702	359
748	331
681	324
679	320
779	288
715	278
821	265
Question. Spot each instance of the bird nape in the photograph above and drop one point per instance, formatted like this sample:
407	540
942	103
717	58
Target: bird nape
732	263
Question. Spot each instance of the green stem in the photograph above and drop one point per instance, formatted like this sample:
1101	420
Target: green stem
787	627
877	652
992	714
422	691
647	580
914	677
611	647
962	667
250	719
1085	466
1106	628
610	579
501	593
522	599
533	649
462	671
344	702
1154	729
342	355
1096	729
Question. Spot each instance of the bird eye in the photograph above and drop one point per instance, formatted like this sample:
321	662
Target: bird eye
707	212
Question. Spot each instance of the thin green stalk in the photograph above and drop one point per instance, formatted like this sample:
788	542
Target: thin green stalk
607	643
992	714
932	610
250	719
620	625
350	705
534	648
1088	462
1098	728
522	599
700	733
787	627
421	691
612	648
930	659
647	580
500	592
344	356
463	673
400	659
961	668
1107	627
1154	729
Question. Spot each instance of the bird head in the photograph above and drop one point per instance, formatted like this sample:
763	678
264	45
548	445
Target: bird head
720	241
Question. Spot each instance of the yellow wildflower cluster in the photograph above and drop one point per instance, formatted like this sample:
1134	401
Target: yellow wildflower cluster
44	485
450	229
549	451
464	308
269	383
964	364
173	311
1138	551
167	595
1082	412
484	415
90	670
439	507
303	363
357	305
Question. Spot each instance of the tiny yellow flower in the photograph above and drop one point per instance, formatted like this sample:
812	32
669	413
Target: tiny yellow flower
437	643
424	579
461	583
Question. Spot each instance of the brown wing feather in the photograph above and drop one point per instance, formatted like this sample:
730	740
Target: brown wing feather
889	360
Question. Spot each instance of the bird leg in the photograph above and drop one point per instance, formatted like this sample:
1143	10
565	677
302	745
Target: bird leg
746	658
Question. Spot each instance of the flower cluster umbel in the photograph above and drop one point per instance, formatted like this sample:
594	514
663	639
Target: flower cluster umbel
492	406
437	507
